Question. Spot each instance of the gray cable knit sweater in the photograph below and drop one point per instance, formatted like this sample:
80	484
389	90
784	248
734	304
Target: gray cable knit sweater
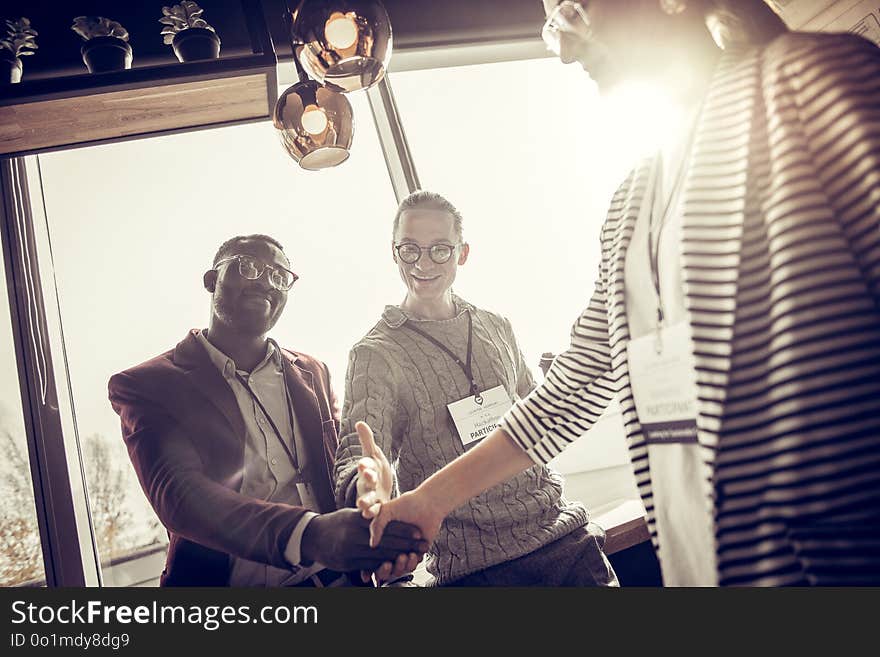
400	383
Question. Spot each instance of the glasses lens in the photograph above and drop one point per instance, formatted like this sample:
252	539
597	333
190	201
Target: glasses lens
249	268
440	253
281	279
409	253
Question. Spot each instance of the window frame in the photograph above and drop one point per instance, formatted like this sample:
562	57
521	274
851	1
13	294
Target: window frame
70	555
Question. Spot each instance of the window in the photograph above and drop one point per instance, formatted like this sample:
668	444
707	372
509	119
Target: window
135	225
21	555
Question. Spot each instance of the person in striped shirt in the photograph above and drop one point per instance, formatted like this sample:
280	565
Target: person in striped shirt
736	313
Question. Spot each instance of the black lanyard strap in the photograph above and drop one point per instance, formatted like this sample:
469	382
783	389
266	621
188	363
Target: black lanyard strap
291	454
654	249
466	366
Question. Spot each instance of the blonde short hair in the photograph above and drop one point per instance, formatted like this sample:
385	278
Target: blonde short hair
430	201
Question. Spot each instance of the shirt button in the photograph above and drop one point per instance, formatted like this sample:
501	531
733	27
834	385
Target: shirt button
274	461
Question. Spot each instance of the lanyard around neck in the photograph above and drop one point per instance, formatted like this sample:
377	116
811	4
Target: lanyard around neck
465	366
654	244
292	454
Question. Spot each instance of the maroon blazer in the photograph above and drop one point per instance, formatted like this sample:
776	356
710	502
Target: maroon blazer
185	437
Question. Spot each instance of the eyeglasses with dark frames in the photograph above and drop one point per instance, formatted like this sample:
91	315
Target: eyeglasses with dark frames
252	268
410	253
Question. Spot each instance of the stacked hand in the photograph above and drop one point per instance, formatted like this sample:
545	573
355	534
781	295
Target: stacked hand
341	541
374	485
410	509
375	481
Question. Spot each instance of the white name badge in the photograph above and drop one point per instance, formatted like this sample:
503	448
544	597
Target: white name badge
663	377
476	421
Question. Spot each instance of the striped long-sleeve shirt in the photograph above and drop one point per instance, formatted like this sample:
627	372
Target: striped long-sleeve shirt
781	274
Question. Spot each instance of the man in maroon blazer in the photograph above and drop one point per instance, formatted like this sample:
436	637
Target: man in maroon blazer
233	440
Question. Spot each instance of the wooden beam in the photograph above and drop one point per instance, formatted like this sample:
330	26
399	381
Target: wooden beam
118	114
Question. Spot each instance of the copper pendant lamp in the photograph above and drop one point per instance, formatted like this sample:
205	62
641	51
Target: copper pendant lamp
315	124
345	44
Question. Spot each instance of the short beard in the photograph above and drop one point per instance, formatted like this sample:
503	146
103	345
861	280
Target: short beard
248	326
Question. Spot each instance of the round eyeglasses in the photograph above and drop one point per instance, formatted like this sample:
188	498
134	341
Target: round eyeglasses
410	253
568	17
252	269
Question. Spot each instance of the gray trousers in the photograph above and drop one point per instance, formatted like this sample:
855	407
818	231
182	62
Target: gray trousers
576	559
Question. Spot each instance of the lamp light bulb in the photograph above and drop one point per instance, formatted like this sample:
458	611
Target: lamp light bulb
341	31
314	120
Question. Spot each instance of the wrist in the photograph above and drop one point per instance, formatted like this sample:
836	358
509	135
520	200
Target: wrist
305	543
437	496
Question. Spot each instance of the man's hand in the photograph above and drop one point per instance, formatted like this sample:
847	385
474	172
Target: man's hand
341	541
375	478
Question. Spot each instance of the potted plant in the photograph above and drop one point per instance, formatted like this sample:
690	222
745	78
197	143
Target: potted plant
106	43
19	41
188	33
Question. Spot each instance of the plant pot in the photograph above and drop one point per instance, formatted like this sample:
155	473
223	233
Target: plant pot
10	67
196	43
106	53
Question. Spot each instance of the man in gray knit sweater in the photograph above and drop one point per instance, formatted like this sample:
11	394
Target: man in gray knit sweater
431	379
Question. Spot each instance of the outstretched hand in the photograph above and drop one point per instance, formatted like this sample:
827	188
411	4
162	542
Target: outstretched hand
375	482
375	478
374	485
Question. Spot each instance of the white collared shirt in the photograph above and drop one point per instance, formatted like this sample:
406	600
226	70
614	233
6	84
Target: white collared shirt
685	528
269	473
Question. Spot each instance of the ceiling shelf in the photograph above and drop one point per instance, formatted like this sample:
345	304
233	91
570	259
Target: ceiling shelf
53	113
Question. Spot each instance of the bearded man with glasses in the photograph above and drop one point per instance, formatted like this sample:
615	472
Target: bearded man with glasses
233	439
428	383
